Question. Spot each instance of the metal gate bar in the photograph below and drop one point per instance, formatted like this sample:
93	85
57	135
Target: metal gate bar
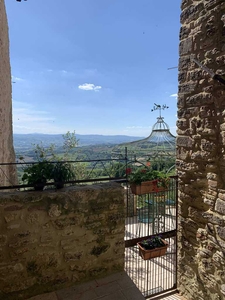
147	215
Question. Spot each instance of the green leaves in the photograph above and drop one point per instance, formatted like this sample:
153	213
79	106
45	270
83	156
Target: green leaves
39	172
152	243
62	172
44	170
144	174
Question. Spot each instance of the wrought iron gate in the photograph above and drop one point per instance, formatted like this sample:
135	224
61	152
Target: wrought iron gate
147	215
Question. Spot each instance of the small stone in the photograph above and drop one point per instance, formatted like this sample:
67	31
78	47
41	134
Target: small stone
223	19
10	217
13	207
18	267
223	289
3	240
13	226
220	206
54	211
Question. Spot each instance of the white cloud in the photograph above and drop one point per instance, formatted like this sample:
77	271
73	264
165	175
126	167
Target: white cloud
14	78
29	115
26	119
89	87
174	96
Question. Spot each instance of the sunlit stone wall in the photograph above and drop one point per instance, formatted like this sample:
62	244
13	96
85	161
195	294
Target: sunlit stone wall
7	173
54	239
201	151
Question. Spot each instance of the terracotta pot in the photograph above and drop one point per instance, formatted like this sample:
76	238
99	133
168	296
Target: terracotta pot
148	254
59	185
39	186
146	187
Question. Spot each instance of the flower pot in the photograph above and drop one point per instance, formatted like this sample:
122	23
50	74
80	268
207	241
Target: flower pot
152	253
146	187
59	185
39	186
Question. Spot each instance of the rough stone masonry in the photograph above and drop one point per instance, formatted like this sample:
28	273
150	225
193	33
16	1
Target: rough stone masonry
7	173
50	240
201	151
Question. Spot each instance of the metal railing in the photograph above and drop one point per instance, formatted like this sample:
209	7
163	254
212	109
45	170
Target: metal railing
146	216
85	171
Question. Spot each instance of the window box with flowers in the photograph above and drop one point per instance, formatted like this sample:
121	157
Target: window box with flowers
145	180
152	247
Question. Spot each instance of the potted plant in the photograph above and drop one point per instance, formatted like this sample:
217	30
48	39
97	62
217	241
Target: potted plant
152	247
61	172
145	180
37	174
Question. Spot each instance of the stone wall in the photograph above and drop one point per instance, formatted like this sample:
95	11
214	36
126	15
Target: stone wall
7	173
53	239
201	151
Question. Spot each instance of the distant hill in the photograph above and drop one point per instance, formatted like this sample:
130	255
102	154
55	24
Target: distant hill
25	141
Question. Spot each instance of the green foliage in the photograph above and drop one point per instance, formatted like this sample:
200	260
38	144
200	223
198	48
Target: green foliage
140	175
70	142
38	173
62	172
44	154
116	169
80	170
152	243
44	170
163	164
49	153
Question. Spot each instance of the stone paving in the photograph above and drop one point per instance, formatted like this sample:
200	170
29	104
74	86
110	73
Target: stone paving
118	286
174	296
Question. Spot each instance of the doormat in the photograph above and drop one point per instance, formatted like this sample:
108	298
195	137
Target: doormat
153	291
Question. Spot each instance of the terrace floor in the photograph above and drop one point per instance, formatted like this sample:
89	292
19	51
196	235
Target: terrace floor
118	286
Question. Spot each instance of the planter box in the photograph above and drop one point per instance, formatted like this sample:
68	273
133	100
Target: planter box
39	186
146	187
148	254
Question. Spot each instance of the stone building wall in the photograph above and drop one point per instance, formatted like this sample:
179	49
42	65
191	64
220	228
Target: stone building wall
53	239
7	173
201	151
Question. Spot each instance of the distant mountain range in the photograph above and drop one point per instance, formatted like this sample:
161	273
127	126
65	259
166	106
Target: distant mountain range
26	141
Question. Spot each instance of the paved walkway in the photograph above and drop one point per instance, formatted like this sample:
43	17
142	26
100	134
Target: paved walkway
118	286
171	297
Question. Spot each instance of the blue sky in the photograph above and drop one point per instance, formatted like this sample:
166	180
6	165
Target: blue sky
96	67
